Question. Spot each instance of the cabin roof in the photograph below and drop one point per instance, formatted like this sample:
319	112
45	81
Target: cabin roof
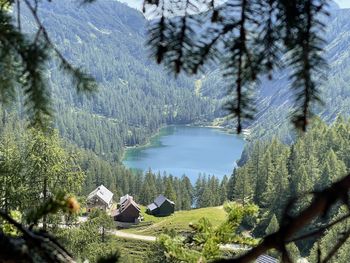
161	199
102	193
266	259
152	207
125	198
127	203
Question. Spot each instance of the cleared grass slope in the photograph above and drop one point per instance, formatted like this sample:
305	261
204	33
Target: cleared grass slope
132	250
179	221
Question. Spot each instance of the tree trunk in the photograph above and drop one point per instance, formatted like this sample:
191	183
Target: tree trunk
103	234
44	200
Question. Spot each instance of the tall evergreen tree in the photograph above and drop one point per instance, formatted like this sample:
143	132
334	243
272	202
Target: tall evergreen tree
11	178
223	190
293	252
266	171
273	226
277	189
230	185
243	190
169	190
186	193
48	168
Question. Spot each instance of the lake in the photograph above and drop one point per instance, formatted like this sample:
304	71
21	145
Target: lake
187	150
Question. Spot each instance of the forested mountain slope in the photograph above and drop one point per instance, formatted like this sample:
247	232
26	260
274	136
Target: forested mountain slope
274	99
136	96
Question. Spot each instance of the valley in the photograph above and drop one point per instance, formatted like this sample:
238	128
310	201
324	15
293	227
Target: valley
136	97
146	134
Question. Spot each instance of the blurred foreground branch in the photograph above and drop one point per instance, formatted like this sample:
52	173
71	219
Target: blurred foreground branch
292	225
31	246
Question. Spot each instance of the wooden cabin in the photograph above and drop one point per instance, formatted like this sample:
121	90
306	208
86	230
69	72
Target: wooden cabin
100	198
161	206
128	210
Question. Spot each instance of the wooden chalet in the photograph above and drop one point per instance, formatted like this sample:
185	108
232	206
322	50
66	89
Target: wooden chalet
161	206
128	211
100	198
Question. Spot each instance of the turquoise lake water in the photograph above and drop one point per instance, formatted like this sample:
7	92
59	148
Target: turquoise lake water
187	150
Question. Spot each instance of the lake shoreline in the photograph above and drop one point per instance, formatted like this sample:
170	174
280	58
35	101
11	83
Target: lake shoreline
149	140
147	144
245	135
187	149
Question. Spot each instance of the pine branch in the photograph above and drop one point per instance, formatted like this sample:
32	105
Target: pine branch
303	40
37	244
343	237
320	205
23	63
249	38
171	35
269	37
320	231
157	37
182	40
19	15
27	70
242	49
82	81
240	68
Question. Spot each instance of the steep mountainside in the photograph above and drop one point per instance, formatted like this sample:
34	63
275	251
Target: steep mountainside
136	96
274	99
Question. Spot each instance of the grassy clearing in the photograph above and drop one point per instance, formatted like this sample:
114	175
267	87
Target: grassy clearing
133	250
179	221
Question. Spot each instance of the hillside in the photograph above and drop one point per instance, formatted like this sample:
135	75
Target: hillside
179	221
274	99
136	97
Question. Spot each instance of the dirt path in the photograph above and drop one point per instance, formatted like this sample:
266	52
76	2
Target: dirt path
133	236
117	233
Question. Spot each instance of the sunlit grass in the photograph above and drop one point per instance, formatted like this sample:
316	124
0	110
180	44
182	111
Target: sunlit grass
179	221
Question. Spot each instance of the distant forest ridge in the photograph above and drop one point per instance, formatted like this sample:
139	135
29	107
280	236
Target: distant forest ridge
138	97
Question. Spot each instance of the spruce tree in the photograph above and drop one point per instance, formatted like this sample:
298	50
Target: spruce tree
186	193
11	178
293	252
243	190
223	189
273	226
48	168
337	167
169	190
266	171
277	189
146	195
231	184
149	191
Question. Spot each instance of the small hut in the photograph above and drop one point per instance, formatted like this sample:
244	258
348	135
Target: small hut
100	198
161	206
128	211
